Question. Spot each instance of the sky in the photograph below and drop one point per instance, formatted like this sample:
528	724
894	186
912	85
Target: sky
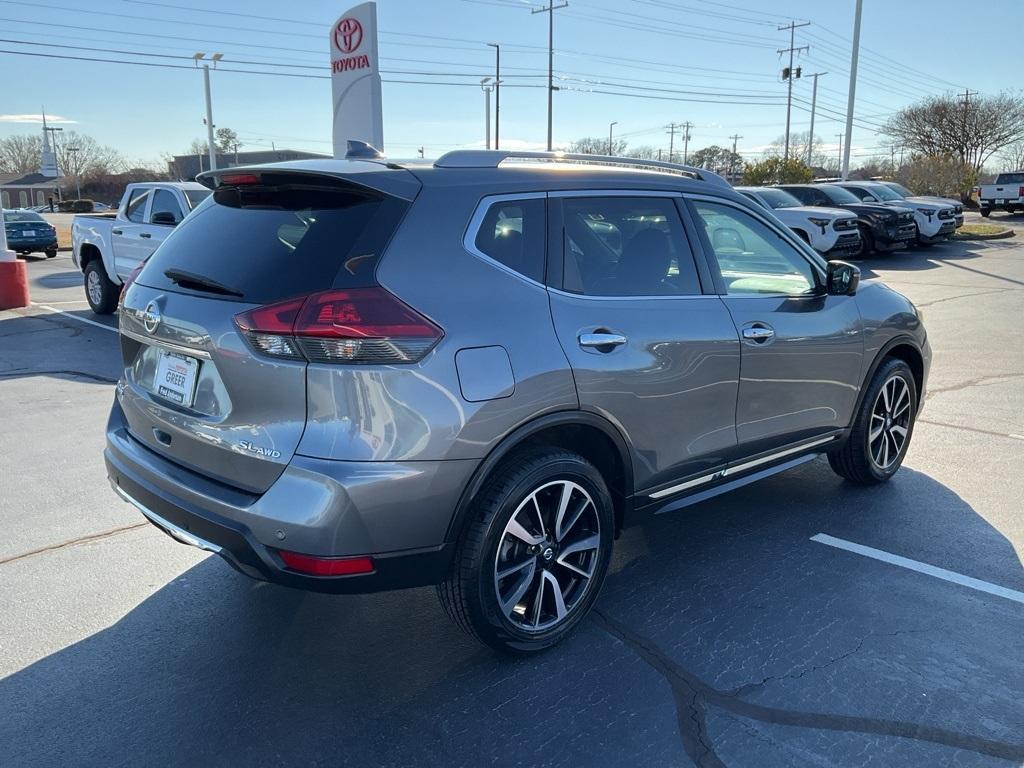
641	63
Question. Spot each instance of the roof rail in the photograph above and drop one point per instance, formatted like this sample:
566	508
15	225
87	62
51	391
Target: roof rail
492	158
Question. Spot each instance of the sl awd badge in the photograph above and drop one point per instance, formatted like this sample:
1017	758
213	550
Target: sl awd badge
270	453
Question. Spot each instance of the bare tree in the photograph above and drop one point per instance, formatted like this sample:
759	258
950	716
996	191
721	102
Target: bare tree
592	145
798	143
20	154
82	157
645	152
1012	157
716	158
227	140
970	130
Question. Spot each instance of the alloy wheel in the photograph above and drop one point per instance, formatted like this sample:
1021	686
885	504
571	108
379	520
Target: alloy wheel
95	290
890	423
547	556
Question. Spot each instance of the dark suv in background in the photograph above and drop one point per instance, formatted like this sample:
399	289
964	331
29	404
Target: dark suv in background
350	375
882	228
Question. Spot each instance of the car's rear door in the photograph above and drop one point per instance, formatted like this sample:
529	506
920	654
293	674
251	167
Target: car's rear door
652	349
131	234
802	350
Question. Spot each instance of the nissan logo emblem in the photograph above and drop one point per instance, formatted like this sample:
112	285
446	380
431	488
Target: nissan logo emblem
151	317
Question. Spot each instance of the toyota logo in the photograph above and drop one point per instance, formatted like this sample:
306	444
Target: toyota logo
348	35
151	317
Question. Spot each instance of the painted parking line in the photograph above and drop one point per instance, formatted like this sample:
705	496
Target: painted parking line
86	320
919	567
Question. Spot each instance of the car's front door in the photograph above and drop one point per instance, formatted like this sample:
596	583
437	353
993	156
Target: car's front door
130	237
651	347
802	350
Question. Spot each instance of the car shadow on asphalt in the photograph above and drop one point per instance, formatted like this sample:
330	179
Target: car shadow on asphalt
928	258
36	342
723	636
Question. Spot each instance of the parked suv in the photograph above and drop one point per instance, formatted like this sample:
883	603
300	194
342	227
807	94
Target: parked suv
349	375
883	228
829	231
936	222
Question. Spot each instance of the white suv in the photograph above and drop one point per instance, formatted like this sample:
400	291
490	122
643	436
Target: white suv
829	231
936	222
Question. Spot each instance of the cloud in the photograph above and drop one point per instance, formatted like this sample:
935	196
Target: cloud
35	119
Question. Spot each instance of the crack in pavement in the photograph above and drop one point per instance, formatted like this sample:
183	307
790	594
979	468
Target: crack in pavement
997	378
979	430
110	532
26	372
925	304
696	696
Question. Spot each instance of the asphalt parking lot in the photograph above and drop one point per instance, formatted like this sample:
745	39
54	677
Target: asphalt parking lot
750	630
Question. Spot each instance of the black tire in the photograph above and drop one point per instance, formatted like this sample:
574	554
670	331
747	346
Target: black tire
867	243
52	253
469	593
985	212
101	293
854	460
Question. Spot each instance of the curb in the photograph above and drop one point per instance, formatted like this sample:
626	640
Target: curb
994	236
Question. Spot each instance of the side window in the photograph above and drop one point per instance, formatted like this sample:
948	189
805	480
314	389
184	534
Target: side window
512	233
627	246
165	202
136	209
752	258
860	192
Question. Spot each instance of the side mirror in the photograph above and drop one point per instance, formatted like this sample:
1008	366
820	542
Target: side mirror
841	279
165	218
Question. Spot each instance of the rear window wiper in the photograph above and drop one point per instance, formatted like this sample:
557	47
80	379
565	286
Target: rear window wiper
196	282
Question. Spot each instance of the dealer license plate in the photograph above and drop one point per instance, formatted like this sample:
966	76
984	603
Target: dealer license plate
28	232
175	377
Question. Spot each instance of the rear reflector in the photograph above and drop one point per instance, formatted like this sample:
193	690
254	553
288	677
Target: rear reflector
326	566
356	325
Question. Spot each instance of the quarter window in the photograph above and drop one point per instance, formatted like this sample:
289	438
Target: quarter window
512	233
626	246
752	258
136	209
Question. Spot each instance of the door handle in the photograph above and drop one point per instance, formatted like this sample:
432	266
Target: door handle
758	333
145	235
116	232
598	340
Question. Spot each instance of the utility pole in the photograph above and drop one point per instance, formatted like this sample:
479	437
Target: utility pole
550	11
967	103
209	104
671	140
840	136
686	141
814	105
855	51
732	160
611	147
486	88
497	90
421	152
892	159
787	74
659	154
78	177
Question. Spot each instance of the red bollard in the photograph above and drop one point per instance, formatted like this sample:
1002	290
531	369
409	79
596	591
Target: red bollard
14	284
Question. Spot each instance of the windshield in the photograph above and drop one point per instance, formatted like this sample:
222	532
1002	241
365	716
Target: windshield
839	195
777	198
195	196
882	192
12	216
899	188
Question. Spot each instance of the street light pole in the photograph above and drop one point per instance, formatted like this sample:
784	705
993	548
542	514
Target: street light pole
486	88
78	175
853	88
611	151
497	91
209	104
814	104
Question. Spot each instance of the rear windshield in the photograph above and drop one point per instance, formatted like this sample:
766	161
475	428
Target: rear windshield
1010	178
13	216
268	243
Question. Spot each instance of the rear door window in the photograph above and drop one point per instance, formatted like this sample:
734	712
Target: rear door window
136	210
268	243
626	246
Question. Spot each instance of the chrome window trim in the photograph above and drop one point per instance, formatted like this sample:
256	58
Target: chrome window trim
477	219
652	297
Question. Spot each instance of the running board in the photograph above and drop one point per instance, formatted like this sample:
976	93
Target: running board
732	485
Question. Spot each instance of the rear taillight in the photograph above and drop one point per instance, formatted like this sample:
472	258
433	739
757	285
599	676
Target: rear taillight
130	279
1020	192
355	325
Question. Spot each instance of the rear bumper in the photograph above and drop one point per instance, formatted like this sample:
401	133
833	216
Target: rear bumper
307	512
37	244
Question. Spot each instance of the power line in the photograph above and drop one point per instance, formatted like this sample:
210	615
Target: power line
788	75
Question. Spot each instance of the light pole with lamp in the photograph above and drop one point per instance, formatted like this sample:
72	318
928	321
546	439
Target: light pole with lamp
497	91
611	150
209	104
485	86
78	177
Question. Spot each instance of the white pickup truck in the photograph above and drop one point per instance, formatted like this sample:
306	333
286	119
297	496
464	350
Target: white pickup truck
107	246
1006	193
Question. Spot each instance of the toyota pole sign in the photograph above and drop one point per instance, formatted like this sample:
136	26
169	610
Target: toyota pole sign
355	79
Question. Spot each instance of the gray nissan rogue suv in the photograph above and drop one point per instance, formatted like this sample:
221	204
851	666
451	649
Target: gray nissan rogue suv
351	375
